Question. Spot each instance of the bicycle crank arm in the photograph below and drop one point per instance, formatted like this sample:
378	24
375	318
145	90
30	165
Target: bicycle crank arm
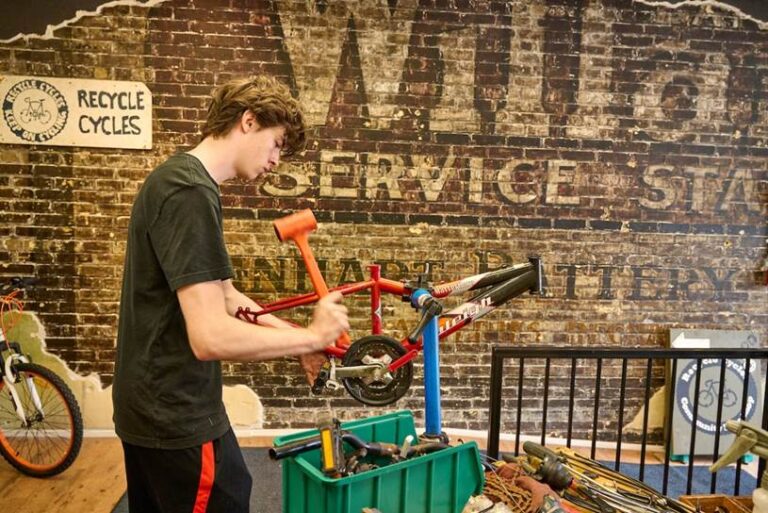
330	375
360	371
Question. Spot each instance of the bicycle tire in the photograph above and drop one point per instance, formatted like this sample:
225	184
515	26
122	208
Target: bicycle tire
376	393
27	448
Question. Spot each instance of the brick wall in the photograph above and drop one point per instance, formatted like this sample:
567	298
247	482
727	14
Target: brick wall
624	144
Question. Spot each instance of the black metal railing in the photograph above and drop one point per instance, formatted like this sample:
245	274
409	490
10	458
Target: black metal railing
599	356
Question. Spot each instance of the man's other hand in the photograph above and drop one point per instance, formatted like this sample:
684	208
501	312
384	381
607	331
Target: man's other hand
312	363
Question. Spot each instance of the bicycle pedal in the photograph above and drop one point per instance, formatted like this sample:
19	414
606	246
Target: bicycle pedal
321	380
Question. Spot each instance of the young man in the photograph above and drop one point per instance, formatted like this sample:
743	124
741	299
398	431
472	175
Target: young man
177	308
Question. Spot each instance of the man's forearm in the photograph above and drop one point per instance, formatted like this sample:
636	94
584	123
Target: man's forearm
236	299
215	334
235	340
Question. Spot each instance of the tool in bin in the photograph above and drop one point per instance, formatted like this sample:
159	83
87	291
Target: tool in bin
365	455
550	470
749	438
599	489
592	487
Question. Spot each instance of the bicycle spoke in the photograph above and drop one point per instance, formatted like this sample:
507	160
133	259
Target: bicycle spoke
42	455
10	410
56	432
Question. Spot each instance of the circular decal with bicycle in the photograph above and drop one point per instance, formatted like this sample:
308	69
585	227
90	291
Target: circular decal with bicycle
35	111
709	390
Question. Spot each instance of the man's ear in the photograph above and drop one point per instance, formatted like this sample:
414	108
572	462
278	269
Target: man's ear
248	121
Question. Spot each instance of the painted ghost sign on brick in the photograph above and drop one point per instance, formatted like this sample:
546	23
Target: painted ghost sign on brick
68	112
455	116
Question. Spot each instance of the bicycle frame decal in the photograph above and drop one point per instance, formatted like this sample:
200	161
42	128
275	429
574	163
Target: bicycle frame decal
478	281
488	301
467	312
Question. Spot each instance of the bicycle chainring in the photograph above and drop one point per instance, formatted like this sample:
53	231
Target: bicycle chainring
377	390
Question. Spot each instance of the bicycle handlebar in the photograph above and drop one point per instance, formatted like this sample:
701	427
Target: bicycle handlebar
307	444
17	283
373	448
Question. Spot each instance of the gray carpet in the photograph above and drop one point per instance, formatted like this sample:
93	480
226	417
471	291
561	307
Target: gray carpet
678	478
266	494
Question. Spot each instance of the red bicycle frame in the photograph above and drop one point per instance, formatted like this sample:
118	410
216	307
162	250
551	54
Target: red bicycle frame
501	285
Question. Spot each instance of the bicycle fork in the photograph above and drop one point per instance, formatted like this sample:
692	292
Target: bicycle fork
9	378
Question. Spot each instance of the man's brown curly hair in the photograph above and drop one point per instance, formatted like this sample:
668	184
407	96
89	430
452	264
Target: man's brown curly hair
269	100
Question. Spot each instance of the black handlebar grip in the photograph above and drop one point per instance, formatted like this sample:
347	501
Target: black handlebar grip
21	283
278	453
17	283
538	268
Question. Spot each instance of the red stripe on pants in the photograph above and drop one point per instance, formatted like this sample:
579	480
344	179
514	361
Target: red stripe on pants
206	479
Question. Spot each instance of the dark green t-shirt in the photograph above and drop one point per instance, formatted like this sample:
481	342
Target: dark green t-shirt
163	396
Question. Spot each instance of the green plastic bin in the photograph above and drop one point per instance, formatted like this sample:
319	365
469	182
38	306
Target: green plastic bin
440	482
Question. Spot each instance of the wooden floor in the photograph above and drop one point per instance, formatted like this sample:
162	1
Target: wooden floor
96	481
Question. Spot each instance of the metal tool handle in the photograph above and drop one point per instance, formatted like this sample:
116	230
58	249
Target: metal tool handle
430	309
539	451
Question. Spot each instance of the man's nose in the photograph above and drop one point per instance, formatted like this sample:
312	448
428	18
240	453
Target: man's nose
274	158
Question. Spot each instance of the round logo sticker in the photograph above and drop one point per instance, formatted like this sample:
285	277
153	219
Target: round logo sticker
35	111
709	390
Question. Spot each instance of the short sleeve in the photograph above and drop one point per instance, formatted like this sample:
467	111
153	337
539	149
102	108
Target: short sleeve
188	238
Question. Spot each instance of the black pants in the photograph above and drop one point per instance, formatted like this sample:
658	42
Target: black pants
211	478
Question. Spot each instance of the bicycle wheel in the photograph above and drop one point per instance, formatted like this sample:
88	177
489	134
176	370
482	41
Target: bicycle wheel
50	441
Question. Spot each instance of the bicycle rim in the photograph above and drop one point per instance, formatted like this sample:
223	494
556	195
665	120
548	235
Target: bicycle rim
50	441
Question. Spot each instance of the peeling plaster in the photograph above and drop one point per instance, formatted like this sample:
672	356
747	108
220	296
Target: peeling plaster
244	407
705	3
656	412
81	14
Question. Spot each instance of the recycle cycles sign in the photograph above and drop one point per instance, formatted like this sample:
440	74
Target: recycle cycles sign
73	112
709	390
